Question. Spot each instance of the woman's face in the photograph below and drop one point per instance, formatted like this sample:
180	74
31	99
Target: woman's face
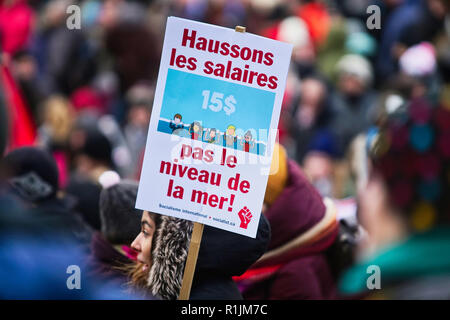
143	242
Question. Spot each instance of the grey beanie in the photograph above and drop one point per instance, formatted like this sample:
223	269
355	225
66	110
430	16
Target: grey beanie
120	221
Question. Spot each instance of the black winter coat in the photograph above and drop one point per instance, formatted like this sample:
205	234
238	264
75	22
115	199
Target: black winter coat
225	254
222	255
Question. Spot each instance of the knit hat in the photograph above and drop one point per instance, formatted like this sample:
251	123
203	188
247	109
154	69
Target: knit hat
87	98
323	142
32	172
93	143
295	31
412	154
120	221
141	94
361	43
278	174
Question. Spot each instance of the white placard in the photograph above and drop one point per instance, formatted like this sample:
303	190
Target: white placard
213	124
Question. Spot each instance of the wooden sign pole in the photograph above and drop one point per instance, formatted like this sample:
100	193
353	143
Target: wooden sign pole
191	261
194	246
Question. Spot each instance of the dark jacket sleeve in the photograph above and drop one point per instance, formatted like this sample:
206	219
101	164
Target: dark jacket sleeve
231	254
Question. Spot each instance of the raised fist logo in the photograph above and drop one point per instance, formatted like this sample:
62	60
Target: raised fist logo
245	215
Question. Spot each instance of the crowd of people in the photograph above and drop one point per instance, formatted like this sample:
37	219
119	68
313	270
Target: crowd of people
363	153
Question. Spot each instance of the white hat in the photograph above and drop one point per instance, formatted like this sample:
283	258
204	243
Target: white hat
418	60
356	65
294	30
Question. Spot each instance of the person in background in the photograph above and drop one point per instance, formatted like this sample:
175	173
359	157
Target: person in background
410	23
57	121
40	259
320	161
64	56
88	102
139	100
24	69
91	157
311	115
31	175
94	111
129	42
295	31
405	209
120	222
303	227
354	102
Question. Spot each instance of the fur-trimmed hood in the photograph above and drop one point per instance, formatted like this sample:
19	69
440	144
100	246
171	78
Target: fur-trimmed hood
169	254
222	255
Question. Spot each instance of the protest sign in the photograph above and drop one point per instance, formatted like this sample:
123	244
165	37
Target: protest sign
214	118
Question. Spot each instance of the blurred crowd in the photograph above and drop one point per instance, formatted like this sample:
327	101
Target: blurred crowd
363	157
